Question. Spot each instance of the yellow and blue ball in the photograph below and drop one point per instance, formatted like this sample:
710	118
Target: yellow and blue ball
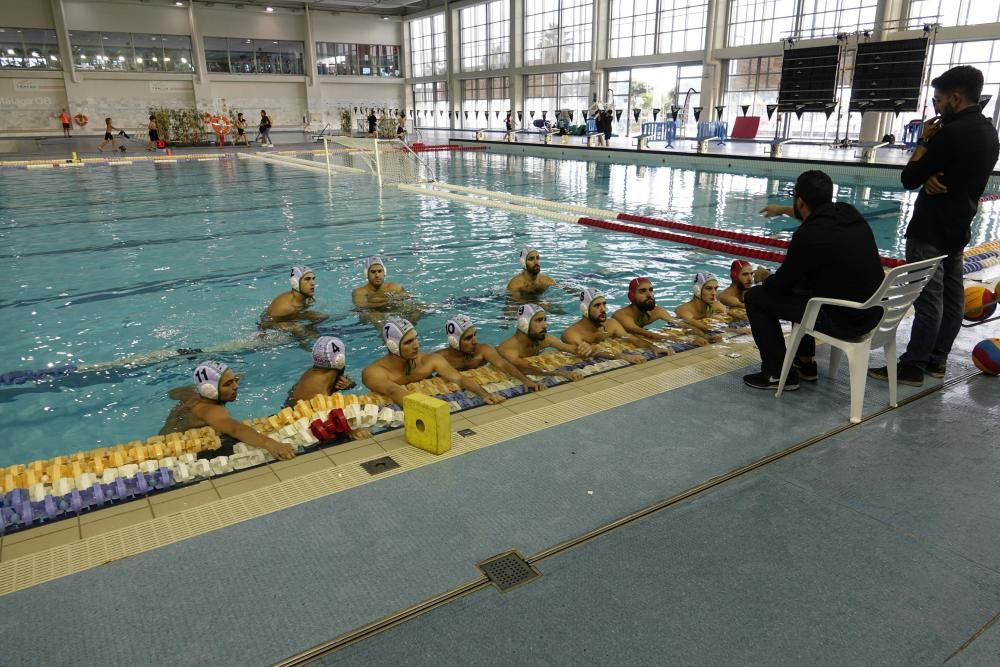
980	303
986	356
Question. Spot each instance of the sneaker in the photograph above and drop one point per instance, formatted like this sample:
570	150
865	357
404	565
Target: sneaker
935	369
808	370
765	381
905	374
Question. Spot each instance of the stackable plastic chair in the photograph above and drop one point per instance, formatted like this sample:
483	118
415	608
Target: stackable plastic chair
895	295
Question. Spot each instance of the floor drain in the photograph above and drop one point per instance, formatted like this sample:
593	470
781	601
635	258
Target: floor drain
375	466
508	570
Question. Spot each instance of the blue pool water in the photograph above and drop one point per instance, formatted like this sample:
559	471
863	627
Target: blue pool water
106	263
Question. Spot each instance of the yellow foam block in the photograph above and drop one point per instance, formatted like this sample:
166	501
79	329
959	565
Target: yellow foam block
427	423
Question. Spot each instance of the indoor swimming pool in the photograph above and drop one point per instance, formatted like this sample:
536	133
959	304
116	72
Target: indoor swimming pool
113	263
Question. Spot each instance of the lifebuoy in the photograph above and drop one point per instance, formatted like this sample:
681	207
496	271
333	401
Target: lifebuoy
81	119
221	124
207	117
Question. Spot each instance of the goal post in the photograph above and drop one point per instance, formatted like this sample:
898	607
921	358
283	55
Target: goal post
391	161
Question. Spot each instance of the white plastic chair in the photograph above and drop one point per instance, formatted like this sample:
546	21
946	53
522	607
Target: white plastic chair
895	295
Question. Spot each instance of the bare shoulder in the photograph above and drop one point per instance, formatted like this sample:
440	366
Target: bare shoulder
622	315
515	283
393	287
614	327
546	280
662	313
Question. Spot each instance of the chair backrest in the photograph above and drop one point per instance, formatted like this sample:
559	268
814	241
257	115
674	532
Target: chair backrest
900	288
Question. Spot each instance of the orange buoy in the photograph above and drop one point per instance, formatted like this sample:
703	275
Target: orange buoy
221	125
81	119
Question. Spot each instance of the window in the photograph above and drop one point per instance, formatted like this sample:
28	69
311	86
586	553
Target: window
485	102
29	48
547	93
336	58
242	55
430	101
952	12
130	52
825	18
760	21
754	82
557	31
634	29
983	55
428	46
485	36
682	26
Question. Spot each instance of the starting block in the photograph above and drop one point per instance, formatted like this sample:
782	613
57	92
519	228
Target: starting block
427	423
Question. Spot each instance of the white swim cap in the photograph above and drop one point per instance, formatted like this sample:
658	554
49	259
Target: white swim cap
372	261
587	297
525	251
393	332
207	377
296	275
329	352
456	328
700	279
525	314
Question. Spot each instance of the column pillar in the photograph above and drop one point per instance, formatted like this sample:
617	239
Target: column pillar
314	93
203	97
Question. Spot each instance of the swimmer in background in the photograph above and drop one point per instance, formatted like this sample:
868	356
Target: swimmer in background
594	328
532	336
702	305
378	295
326	376
465	352
530	283
288	310
643	311
741	273
405	363
204	404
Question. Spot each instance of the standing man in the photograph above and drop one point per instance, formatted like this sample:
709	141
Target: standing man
66	121
951	165
832	254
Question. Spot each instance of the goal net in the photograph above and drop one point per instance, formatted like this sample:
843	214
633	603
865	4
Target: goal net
390	160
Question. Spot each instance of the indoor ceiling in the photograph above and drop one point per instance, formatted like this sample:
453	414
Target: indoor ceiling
381	7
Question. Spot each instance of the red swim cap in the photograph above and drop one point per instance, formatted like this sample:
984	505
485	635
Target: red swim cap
736	267
634	285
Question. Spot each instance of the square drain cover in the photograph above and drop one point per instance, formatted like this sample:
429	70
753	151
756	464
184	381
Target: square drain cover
508	570
375	466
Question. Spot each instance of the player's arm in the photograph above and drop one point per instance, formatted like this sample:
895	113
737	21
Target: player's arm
511	354
449	374
219	419
377	380
491	355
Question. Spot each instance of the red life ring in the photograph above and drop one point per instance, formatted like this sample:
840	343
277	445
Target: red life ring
221	125
81	119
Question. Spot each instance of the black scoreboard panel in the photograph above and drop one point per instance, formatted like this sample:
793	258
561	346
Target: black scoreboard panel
808	78
888	75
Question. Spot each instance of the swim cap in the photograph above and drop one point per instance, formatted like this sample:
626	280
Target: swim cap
700	279
372	261
296	275
587	297
525	251
525	314
393	332
329	352
736	267
207	377
456	328
633	286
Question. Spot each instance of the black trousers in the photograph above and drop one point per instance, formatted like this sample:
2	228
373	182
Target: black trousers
765	312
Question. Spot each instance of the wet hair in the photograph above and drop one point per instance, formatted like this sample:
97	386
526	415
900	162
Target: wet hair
963	79
814	187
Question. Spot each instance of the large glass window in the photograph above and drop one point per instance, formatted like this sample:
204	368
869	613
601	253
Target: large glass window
753	82
29	48
428	46
983	55
557	31
952	12
485	102
430	101
334	58
547	93
825	18
130	52
242	55
767	21
633	28
644	27
485	36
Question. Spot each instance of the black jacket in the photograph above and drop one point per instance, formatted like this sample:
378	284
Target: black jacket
965	151
833	254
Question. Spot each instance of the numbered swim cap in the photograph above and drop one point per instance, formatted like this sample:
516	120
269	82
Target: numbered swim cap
393	332
329	352
525	314
736	267
372	261
525	251
296	275
700	280
587	297
633	286
207	377
456	328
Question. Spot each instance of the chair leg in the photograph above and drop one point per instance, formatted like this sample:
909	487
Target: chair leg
786	365
858	367
836	354
890	367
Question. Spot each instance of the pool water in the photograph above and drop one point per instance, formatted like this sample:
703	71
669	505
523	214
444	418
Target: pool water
107	263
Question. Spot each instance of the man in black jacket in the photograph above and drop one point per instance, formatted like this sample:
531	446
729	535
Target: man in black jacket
832	254
952	163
